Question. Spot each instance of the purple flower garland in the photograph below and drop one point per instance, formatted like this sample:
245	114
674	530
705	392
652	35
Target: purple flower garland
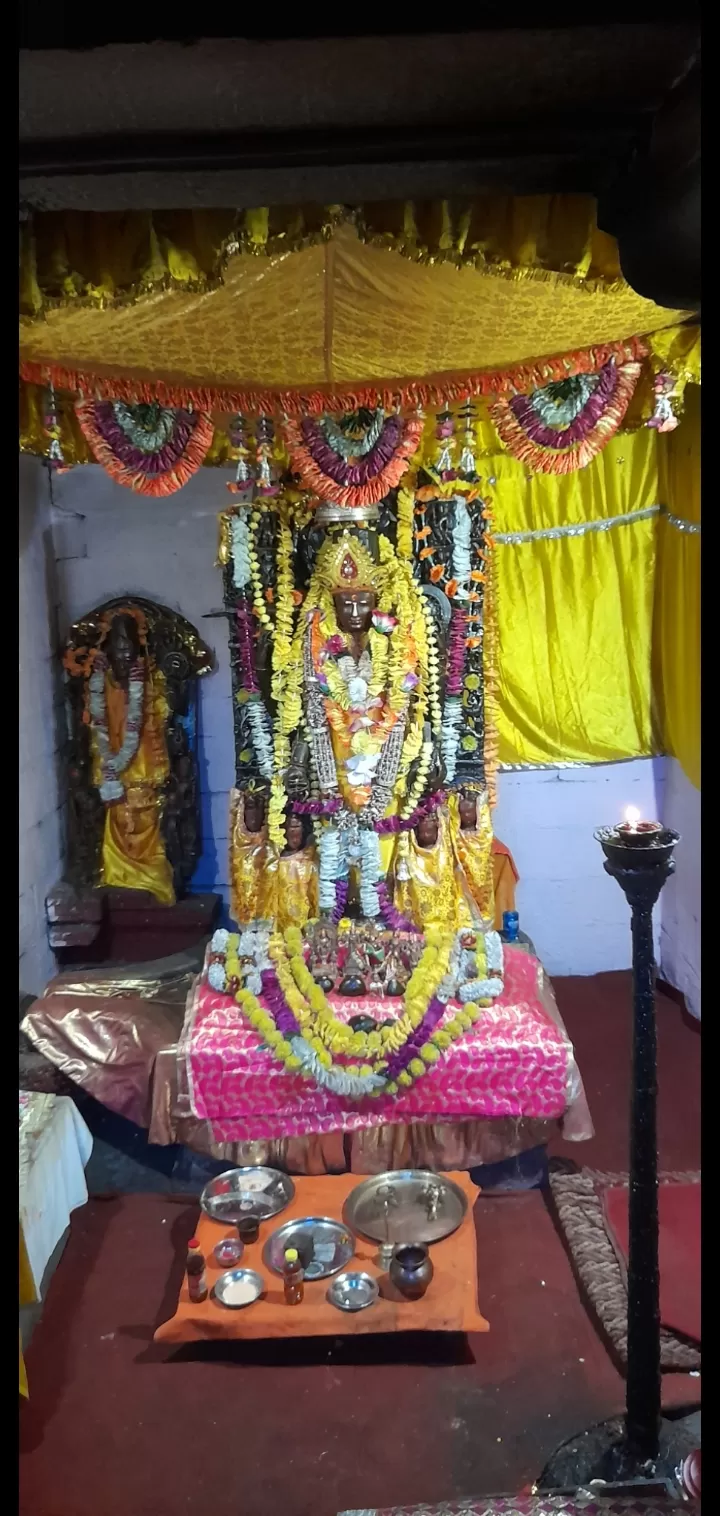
426	807
341	894
133	457
555	437
456	651
399	1061
316	807
348	474
246	649
392	917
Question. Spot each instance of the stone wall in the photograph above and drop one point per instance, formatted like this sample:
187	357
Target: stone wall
41	726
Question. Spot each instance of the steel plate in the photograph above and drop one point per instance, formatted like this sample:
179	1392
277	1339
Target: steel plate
224	1285
353	1291
247	1192
327	1245
406	1205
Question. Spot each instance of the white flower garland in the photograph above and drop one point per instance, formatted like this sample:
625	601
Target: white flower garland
330	866
262	736
112	765
450	734
354	1086
461	562
494	953
240	534
369	873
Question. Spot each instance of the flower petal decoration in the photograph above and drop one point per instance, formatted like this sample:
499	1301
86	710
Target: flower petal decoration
331	475
564	425
151	449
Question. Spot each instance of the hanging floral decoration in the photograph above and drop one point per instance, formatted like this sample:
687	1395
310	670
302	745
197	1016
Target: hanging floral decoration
148	448
354	461
564	425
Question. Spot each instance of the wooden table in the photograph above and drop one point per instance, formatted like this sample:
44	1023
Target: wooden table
449	1305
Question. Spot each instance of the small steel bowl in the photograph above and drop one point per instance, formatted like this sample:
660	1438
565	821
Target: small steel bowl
228	1252
353	1291
236	1276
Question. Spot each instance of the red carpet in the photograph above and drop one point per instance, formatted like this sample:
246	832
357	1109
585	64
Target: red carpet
679	1211
313	1429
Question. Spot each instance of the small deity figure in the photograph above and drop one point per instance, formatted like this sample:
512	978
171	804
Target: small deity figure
253	862
397	970
297	877
132	667
425	886
356	967
322	939
472	845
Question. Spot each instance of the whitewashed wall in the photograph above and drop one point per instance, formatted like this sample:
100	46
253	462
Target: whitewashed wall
680	936
575	913
40	720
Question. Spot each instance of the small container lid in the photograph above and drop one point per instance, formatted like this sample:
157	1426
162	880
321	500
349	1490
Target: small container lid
193	1245
291	1255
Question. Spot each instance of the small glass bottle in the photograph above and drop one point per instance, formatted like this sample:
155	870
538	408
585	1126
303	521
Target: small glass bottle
195	1267
293	1277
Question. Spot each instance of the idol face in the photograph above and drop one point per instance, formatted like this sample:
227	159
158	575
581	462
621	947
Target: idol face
254	811
427	831
353	609
294	833
122	647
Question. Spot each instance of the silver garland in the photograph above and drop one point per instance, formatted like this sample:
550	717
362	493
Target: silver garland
581	528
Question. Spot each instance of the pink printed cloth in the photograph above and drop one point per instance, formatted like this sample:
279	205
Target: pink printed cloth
517	1061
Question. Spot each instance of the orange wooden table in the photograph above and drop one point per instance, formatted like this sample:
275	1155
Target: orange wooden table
449	1305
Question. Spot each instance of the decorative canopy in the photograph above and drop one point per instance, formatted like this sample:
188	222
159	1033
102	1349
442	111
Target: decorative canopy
186	300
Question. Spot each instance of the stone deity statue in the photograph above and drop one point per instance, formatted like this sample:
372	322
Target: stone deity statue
132	668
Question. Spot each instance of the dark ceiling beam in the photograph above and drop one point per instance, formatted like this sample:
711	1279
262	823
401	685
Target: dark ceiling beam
178	171
654	208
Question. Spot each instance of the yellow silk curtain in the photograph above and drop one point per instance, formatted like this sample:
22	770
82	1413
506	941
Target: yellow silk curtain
677	614
575	613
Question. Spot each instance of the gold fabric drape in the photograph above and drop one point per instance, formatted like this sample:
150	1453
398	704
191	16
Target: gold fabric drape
101	258
338	312
677	613
575	613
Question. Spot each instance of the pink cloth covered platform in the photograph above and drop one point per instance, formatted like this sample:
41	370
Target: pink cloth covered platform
517	1061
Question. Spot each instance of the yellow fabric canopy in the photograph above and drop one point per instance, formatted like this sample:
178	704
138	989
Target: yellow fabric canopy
342	311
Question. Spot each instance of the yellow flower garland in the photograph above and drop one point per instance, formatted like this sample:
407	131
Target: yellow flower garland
285	693
259	605
262	1022
313	1010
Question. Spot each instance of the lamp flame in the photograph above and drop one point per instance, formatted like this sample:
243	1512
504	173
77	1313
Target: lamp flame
632	815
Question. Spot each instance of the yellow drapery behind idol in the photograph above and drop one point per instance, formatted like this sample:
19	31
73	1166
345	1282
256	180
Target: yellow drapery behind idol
133	852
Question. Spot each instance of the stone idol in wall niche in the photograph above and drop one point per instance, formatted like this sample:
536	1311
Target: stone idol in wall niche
134	824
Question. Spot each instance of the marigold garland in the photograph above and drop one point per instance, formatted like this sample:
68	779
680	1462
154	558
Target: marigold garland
154	453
